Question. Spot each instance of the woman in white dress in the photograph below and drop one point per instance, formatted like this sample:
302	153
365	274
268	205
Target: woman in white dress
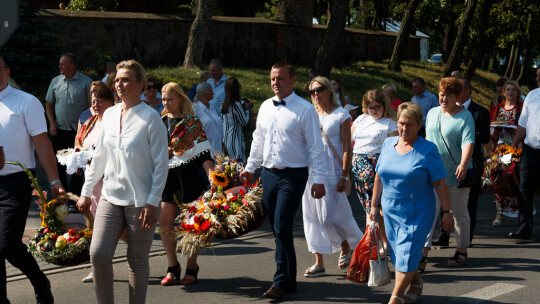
329	225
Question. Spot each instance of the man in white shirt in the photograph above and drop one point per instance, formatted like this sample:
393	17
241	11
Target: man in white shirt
22	130
217	81
287	139
529	171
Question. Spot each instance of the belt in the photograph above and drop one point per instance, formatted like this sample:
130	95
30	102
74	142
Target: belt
277	170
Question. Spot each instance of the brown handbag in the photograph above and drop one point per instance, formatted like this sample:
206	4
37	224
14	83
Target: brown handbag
348	183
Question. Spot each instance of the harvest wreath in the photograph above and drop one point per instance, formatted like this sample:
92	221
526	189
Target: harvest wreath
62	239
231	208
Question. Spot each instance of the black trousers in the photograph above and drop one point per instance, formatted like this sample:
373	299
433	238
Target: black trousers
63	140
529	174
15	197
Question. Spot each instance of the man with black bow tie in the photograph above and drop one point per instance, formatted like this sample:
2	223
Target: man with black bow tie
286	141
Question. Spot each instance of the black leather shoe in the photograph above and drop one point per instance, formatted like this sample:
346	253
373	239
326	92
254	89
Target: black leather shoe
274	293
520	235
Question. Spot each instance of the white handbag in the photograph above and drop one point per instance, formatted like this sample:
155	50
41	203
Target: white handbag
379	273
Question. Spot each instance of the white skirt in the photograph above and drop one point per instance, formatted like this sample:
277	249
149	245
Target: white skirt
328	221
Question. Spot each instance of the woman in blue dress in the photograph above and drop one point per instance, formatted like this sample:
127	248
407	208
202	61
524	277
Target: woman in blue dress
408	170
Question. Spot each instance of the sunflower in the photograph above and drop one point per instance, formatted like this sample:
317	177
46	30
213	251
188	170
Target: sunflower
219	178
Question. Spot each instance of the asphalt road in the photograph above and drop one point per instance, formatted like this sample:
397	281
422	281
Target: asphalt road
499	270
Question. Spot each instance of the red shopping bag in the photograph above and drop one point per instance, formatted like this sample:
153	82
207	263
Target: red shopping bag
366	250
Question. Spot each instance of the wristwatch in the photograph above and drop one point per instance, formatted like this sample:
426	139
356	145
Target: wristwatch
345	178
448	211
54	182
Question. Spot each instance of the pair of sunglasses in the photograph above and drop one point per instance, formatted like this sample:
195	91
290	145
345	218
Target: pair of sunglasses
318	90
150	87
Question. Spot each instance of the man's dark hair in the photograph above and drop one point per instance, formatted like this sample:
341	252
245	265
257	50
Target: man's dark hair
466	84
501	81
288	66
152	78
71	57
420	80
217	62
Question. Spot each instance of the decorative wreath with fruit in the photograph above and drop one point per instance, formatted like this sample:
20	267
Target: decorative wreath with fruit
231	208
64	237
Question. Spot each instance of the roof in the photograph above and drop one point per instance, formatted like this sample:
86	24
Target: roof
394	26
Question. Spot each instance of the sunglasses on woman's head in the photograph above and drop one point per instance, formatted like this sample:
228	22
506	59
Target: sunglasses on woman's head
318	90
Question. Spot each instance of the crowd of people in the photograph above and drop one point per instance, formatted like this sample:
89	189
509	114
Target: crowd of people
412	164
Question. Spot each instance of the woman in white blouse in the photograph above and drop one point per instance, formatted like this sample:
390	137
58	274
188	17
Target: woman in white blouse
131	155
369	131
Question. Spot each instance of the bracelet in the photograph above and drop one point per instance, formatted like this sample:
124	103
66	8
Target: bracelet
345	177
54	182
448	211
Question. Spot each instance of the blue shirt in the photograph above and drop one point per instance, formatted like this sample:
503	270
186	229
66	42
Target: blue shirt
219	93
70	98
426	102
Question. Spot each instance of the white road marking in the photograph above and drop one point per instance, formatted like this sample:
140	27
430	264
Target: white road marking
487	293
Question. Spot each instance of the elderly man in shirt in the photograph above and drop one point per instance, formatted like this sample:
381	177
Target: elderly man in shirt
67	97
23	130
287	139
217	81
425	99
529	171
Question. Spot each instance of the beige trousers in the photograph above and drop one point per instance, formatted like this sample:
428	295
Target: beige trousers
459	198
109	224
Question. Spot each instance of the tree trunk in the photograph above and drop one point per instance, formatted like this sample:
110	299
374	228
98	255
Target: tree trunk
403	36
456	57
527	58
296	12
509	60
329	11
378	14
325	54
363	18
481	40
197	35
447	42
515	62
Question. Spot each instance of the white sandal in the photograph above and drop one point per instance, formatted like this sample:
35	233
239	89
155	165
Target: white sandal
314	272
345	260
413	297
398	298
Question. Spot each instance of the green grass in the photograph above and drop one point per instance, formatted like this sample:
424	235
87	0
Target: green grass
357	78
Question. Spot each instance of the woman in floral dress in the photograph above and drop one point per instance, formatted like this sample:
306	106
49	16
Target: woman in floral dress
368	133
507	114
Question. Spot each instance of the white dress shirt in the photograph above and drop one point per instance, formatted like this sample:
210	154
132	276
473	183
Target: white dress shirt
529	120
288	137
133	161
21	118
213	126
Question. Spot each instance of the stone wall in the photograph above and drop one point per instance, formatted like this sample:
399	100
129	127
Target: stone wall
161	39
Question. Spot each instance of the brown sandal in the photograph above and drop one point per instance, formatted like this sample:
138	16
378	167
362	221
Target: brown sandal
459	259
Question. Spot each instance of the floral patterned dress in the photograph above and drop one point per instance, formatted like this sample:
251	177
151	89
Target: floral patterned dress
507	205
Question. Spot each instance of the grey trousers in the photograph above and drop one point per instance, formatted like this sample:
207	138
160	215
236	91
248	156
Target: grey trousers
459	198
109	224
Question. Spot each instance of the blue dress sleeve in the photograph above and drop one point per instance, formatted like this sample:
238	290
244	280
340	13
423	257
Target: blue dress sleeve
434	164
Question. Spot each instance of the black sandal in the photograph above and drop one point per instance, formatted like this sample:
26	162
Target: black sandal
176	271
190	272
422	264
459	259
